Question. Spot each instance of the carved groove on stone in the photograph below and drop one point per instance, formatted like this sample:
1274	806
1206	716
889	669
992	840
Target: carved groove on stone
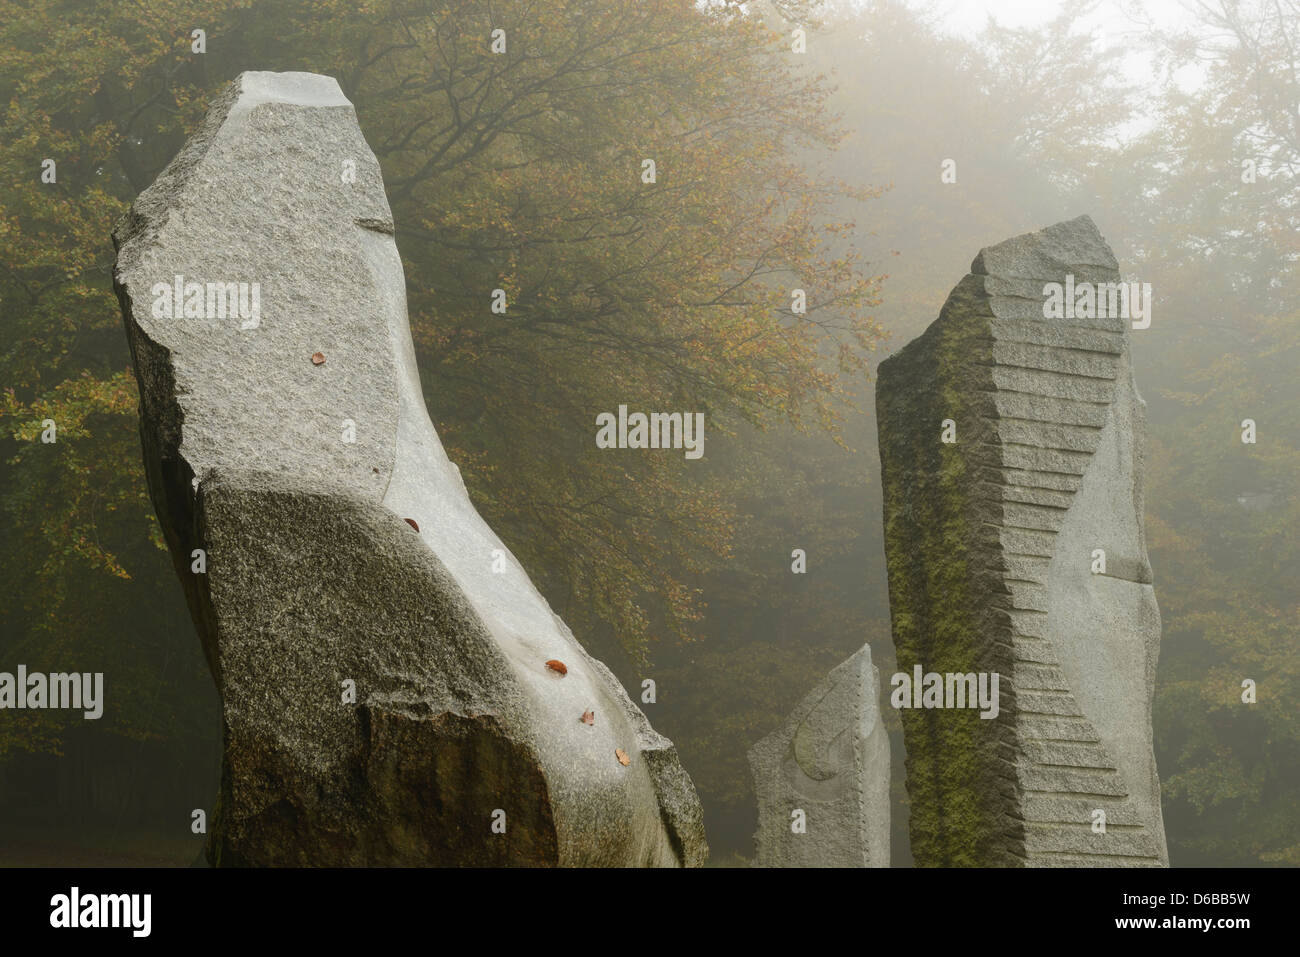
1035	399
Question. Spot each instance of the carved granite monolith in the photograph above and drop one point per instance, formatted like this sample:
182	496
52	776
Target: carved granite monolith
381	657
829	763
1016	547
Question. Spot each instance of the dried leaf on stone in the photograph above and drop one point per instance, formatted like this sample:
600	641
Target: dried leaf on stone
623	759
559	666
588	717
411	522
318	359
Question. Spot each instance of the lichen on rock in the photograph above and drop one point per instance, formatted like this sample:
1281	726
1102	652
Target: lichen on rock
989	540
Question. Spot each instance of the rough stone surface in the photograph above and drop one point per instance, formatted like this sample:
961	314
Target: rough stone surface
990	542
315	577
829	759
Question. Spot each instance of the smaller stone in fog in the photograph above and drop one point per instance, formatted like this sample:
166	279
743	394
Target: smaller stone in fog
822	778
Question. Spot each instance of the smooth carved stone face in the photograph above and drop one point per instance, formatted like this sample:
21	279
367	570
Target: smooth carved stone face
1109	619
828	762
292	444
991	541
257	197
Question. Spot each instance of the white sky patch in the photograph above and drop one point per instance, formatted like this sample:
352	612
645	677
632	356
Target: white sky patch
1124	23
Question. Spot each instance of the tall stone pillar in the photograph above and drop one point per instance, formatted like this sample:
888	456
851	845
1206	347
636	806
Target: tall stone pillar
1011	448
394	689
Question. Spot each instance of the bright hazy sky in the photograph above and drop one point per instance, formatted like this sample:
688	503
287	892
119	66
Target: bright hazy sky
1123	22
1113	17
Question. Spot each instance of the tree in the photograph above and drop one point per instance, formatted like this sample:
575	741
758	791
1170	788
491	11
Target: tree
1207	195
521	170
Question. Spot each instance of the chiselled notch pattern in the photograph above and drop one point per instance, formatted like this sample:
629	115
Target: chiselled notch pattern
1047	434
1032	399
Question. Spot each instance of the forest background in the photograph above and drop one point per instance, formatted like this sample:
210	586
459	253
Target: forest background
776	170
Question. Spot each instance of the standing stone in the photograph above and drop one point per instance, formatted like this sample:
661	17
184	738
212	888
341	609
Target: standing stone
290	442
991	543
829	760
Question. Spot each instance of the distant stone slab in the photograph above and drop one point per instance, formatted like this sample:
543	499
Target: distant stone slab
822	778
993	544
381	657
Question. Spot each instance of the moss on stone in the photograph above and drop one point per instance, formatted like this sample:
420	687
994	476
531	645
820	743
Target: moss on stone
938	553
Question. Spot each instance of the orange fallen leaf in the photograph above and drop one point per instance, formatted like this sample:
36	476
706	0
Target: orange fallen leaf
555	665
588	717
318	359
411	522
623	759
